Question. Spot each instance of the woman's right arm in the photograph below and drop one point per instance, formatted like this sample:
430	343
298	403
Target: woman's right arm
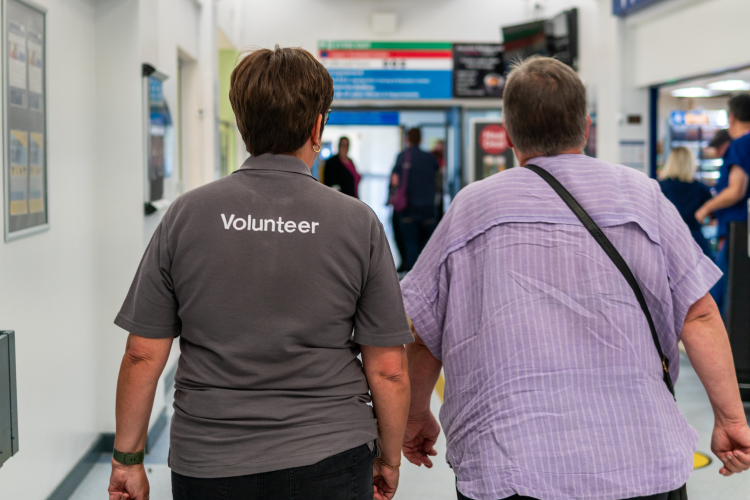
388	377
707	345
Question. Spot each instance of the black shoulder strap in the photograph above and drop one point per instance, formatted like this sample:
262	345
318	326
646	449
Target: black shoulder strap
613	254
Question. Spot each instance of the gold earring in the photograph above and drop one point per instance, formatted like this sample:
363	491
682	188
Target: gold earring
316	146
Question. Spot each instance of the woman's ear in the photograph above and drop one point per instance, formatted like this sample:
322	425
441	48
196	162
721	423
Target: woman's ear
317	131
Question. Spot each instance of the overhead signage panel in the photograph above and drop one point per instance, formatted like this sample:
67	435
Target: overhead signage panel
389	70
625	7
478	70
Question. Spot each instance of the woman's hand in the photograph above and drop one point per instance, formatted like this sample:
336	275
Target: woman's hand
385	481
731	443
420	438
128	482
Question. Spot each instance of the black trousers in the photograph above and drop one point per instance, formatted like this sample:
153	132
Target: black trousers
661	496
417	225
346	476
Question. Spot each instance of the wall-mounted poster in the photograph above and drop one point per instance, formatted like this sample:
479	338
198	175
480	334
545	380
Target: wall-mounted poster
490	149
36	61
24	120
478	70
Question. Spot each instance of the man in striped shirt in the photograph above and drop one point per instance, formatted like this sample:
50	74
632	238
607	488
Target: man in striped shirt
554	388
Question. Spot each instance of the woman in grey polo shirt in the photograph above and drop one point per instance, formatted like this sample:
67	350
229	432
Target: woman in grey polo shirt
263	276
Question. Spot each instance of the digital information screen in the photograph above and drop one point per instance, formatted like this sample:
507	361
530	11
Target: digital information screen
389	70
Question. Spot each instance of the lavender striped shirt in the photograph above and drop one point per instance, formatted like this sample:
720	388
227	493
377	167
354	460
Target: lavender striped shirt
554	387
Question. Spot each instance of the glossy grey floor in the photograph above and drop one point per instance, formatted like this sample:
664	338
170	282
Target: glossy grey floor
438	483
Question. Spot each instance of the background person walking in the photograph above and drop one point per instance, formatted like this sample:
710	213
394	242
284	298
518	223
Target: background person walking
680	187
418	169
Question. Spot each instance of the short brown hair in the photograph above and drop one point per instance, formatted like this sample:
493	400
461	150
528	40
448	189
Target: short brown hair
414	136
277	95
544	107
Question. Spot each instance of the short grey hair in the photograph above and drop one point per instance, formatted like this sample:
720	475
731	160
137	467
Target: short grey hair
544	107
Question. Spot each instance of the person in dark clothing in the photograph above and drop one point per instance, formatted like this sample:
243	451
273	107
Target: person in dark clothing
340	173
731	200
417	222
678	185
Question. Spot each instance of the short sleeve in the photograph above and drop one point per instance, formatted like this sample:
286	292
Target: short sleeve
690	273
150	308
380	319
737	155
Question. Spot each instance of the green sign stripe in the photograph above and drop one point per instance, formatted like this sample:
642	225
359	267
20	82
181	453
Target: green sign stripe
369	45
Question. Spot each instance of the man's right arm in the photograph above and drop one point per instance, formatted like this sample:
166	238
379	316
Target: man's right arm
729	196
707	346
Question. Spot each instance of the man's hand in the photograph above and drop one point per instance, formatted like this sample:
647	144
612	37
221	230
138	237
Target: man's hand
701	214
420	438
128	482
731	443
385	481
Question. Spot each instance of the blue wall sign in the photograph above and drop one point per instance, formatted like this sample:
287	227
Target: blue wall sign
364	118
625	7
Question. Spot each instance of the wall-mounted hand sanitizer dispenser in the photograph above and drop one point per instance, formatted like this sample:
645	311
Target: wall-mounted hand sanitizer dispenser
8	399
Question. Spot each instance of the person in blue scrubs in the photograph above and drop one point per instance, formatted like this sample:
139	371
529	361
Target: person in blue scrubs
730	203
679	186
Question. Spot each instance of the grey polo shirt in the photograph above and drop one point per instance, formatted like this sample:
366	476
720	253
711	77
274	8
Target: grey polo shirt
271	280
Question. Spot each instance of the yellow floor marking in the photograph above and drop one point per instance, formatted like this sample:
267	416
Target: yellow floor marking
700	460
440	387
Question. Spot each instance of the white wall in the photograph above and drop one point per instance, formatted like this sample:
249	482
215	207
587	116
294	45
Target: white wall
689	38
118	234
63	288
49	283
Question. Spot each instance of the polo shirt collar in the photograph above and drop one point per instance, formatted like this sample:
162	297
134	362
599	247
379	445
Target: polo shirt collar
283	163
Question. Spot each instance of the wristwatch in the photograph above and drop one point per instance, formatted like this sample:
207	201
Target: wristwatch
128	458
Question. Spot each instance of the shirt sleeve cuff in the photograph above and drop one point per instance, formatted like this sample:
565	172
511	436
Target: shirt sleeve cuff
146	331
391	340
692	287
420	313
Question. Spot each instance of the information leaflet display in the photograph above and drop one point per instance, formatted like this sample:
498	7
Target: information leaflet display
478	70
490	148
24	120
389	70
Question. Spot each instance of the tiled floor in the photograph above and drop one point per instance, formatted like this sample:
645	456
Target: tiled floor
438	483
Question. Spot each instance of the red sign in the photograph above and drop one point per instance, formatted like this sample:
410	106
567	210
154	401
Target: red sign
493	139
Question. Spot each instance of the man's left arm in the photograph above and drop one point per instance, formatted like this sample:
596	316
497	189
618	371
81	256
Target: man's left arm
141	367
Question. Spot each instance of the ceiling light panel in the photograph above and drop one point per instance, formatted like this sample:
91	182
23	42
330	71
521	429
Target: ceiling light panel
693	92
729	85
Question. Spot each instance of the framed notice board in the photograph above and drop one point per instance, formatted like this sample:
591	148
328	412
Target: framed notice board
24	119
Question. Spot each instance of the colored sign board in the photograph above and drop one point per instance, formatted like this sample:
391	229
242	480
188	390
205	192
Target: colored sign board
389	70
625	7
478	70
364	118
490	149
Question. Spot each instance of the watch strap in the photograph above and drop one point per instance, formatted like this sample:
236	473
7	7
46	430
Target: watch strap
128	458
